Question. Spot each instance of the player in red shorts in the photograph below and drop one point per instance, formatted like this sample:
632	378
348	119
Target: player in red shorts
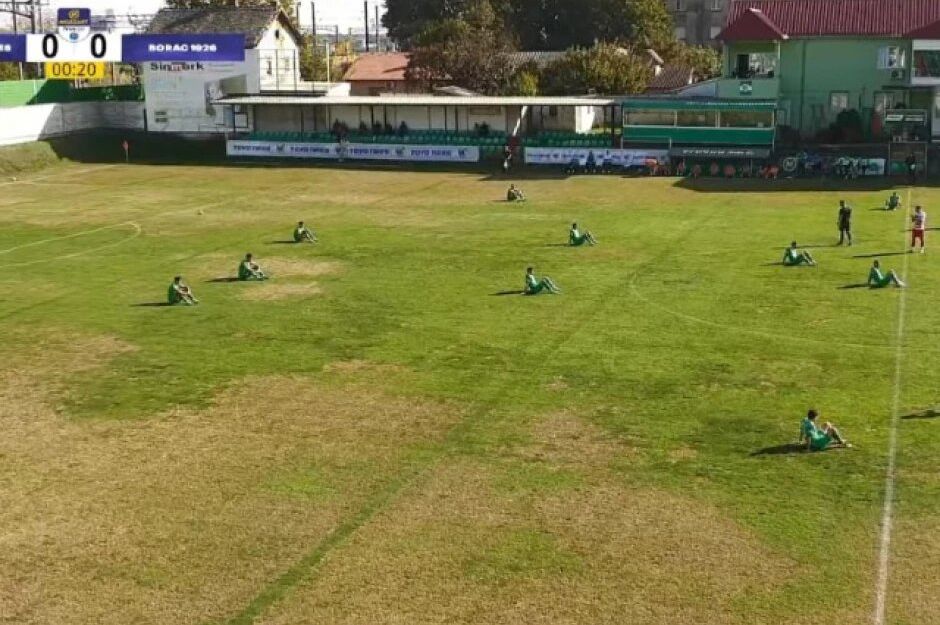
919	226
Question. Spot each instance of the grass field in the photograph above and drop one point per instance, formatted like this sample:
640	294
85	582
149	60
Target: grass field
376	436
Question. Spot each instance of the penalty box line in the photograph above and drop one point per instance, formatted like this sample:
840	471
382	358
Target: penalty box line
887	511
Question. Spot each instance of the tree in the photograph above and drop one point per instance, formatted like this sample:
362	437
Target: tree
604	69
286	5
471	51
406	20
9	71
312	60
705	61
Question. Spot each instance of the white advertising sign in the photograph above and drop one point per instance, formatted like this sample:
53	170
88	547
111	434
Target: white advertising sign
180	95
619	158
355	151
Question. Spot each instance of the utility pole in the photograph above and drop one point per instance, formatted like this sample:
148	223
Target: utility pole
365	14
313	19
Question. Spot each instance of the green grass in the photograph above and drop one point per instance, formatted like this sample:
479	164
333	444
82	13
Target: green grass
678	360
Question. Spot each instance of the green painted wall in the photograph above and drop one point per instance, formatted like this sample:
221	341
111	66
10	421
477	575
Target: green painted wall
23	92
701	136
810	70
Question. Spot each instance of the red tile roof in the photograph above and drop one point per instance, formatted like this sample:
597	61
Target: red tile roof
818	18
378	67
671	78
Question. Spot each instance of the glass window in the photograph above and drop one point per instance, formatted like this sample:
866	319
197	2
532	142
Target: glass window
269	67
746	119
927	63
891	57
679	32
714	32
756	65
649	117
697	118
716	5
884	100
838	101
680	5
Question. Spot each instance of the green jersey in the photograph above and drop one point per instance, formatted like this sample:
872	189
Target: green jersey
172	294
816	437
245	271
531	282
877	278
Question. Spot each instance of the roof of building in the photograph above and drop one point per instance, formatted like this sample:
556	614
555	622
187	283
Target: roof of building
697	104
780	19
384	67
540	58
416	100
252	21
671	78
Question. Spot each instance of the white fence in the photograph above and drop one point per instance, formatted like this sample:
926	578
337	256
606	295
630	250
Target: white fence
22	124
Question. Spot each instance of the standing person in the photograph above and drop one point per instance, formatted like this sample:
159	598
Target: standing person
845	222
911	164
918	228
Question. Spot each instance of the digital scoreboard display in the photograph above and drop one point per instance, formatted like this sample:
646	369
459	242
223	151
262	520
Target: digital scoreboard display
77	42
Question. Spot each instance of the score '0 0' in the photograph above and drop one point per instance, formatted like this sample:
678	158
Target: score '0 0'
98	45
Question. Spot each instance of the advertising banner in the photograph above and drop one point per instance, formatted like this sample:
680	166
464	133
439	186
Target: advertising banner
12	48
617	158
184	48
355	151
180	94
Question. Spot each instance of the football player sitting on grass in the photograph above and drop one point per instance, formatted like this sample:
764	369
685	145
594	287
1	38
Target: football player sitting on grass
793	256
878	280
819	438
894	202
303	234
575	237
534	286
250	270
514	194
179	293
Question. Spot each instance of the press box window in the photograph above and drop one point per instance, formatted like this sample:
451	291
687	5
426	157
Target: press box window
838	101
891	57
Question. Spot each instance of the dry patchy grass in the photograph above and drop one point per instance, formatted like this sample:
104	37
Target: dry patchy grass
458	551
180	518
272	292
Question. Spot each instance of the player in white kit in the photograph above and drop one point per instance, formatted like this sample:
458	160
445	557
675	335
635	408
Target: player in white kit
918	228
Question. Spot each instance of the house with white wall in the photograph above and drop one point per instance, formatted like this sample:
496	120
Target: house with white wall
180	95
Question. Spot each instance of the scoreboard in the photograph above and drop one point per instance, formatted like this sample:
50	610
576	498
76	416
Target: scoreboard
76	43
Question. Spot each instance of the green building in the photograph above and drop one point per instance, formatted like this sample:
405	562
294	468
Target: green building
817	58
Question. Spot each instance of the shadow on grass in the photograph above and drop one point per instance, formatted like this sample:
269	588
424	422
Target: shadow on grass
879	255
557	245
930	413
152	305
781	450
776	264
284	242
516	292
807	246
224	280
857	285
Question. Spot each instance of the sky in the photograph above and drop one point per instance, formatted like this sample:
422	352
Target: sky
346	13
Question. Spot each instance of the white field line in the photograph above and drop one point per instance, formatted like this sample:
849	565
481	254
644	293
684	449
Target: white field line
134	235
82	233
887	511
66	172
